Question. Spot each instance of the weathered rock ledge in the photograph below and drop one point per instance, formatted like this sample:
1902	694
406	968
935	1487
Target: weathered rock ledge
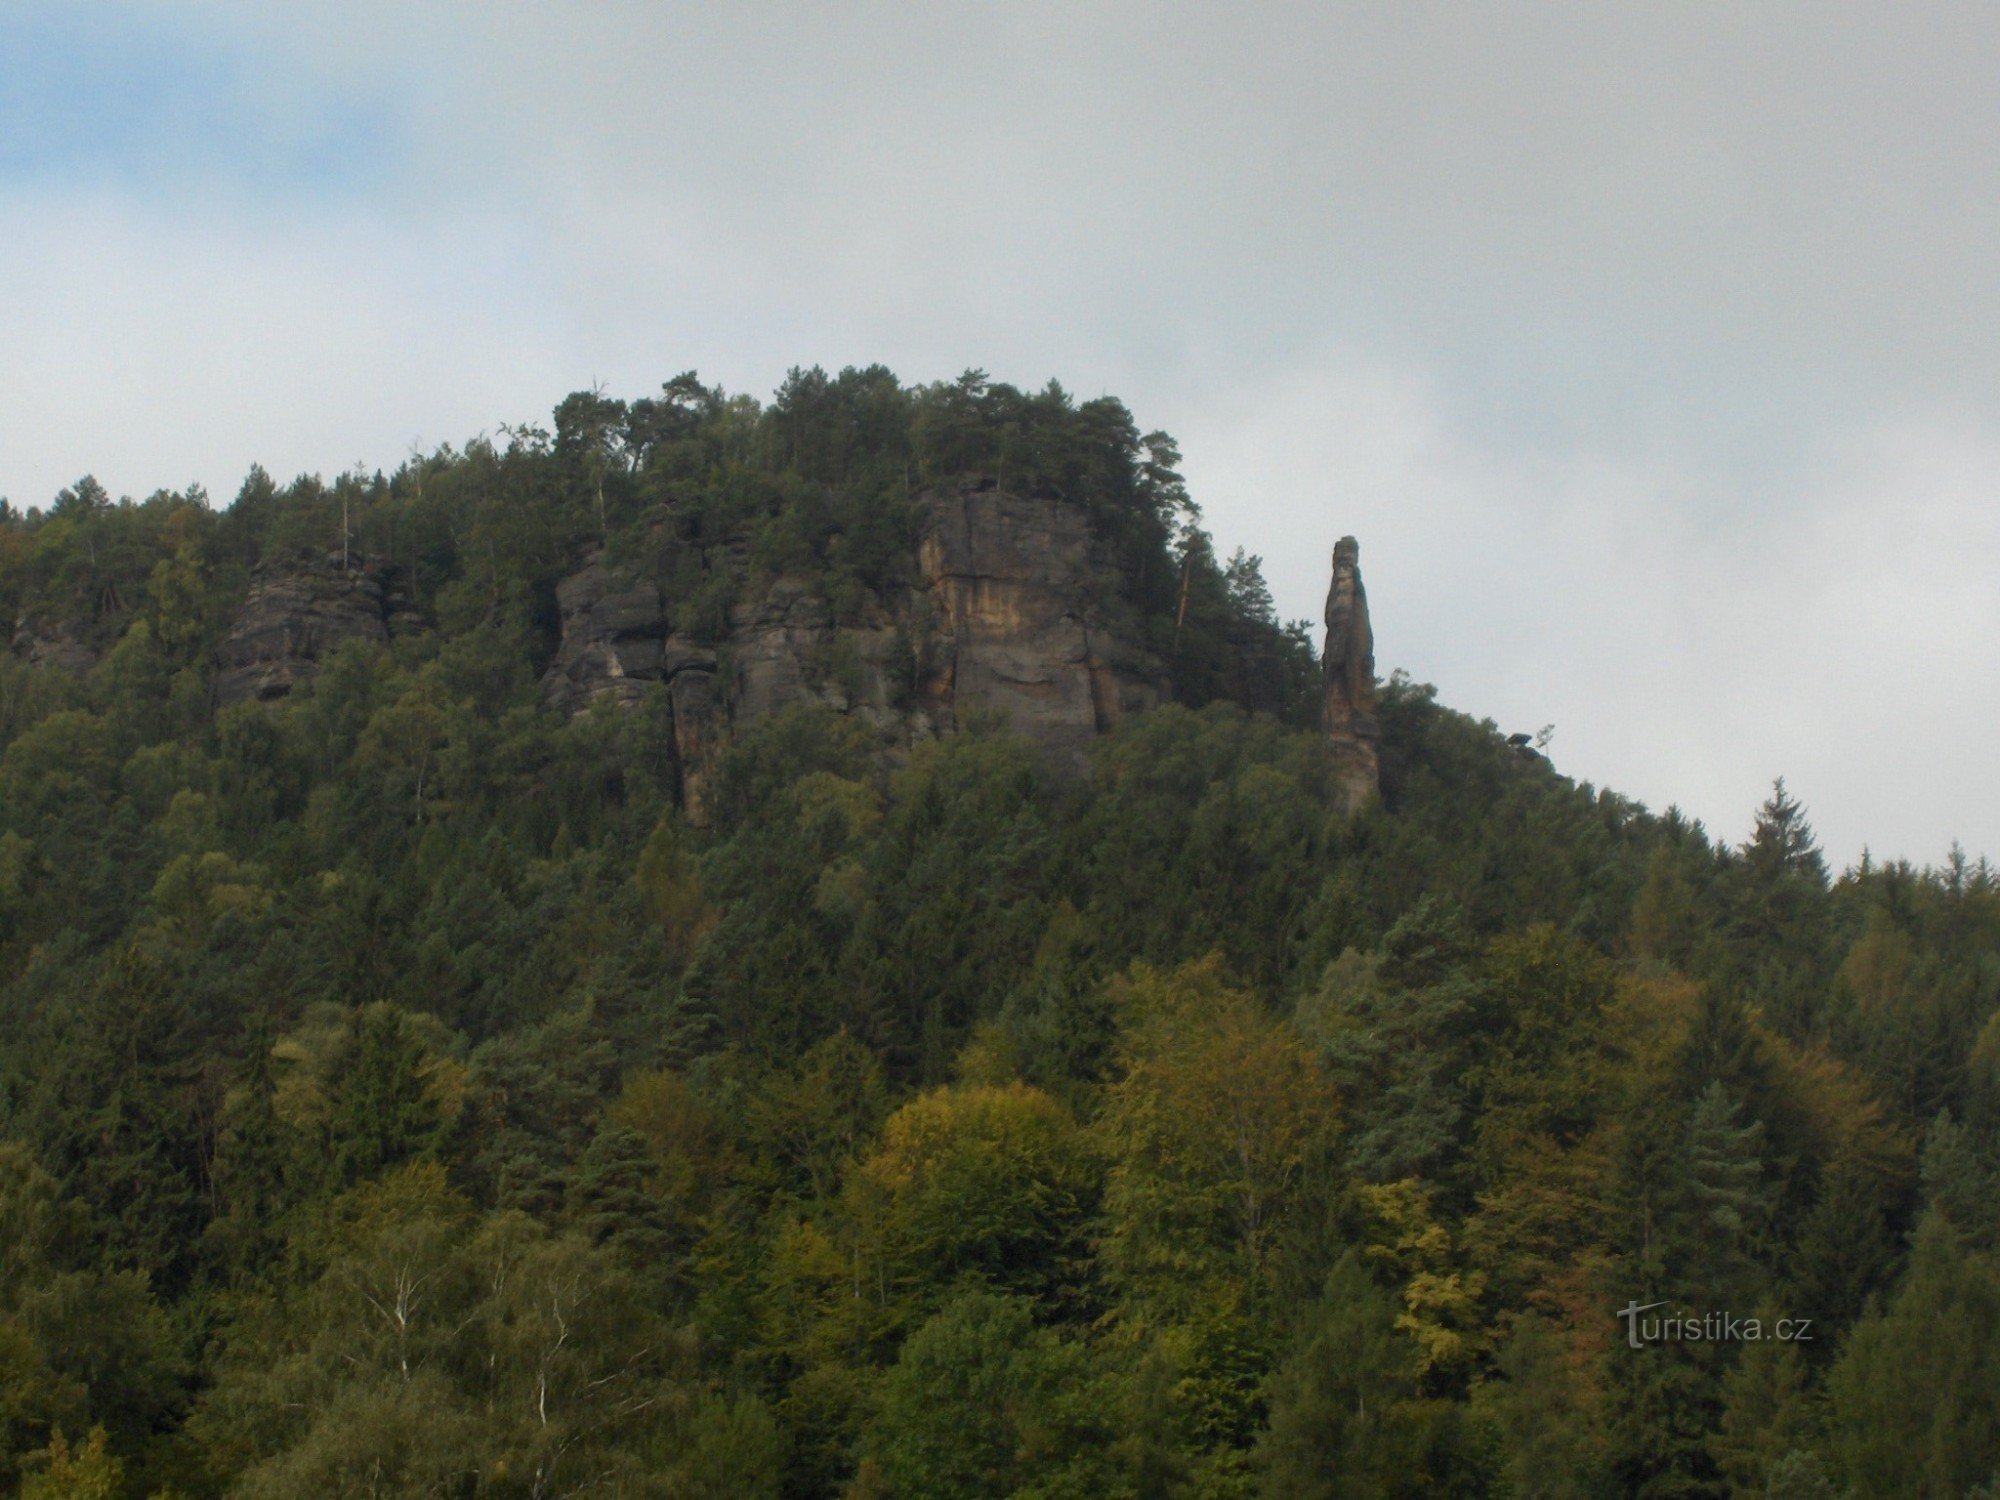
290	621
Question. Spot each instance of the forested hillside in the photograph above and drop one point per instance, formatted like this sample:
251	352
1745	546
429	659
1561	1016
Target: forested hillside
409	1086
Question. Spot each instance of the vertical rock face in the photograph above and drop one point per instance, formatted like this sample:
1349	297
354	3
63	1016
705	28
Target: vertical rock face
1348	669
616	639
291	620
1005	614
784	648
1013	589
614	630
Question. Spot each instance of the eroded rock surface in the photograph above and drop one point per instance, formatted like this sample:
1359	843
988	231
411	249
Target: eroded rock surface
1007	612
614	627
52	644
1348	674
698	733
616	641
290	621
1015	592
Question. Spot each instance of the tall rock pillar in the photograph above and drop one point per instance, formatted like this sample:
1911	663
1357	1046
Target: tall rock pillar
1348	685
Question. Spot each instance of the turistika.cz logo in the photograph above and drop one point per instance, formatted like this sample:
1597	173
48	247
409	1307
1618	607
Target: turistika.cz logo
1706	1328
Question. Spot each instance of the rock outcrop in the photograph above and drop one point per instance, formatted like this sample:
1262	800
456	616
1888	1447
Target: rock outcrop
291	620
1006	614
1010	608
614	629
616	640
1348	687
1014	586
784	648
52	644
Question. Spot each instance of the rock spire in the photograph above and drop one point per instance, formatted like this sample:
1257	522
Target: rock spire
1348	687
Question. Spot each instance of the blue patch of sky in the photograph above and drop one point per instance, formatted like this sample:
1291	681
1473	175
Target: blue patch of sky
91	96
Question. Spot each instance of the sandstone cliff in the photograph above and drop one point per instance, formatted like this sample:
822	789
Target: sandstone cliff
292	619
1016	586
1007	612
1008	605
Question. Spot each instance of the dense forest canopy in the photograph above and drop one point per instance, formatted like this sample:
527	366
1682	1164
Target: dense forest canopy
400	1094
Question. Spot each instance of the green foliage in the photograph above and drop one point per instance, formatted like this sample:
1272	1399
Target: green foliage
90	1472
977	1185
1916	1394
1219	1134
407	1090
1345	1418
81	1346
982	1403
379	1111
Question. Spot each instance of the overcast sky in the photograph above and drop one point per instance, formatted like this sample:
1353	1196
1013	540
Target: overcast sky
1652	352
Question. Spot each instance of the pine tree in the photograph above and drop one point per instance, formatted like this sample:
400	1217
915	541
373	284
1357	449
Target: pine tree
381	1114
